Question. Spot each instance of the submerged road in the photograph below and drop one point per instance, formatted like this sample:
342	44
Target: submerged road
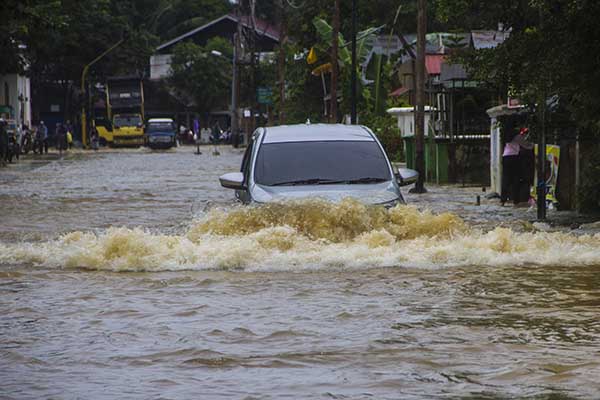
133	274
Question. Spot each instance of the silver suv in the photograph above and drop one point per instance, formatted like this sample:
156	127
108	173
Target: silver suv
329	161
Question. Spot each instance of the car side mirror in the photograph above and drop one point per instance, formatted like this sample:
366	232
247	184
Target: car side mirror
406	176
232	180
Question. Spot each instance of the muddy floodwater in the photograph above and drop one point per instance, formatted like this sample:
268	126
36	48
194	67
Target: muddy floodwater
131	274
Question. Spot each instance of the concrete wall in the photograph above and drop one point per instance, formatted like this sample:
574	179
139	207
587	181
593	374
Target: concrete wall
496	144
495	157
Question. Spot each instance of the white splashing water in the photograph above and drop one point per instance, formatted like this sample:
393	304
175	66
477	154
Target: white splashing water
308	235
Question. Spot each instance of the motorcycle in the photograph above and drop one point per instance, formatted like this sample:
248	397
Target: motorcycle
27	142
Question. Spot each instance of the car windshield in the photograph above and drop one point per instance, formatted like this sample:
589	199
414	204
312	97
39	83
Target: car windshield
160	127
310	163
127	120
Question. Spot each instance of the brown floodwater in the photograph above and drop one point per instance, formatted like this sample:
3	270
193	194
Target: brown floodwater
133	274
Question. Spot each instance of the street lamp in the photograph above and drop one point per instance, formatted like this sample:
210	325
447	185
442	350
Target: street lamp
234	99
353	71
83	75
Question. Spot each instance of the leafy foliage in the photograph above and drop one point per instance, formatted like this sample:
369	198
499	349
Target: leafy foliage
552	52
202	73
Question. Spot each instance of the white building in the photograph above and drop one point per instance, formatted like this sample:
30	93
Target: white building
160	66
406	119
15	98
496	144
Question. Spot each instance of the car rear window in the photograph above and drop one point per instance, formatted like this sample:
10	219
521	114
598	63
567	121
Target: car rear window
160	126
278	163
127	120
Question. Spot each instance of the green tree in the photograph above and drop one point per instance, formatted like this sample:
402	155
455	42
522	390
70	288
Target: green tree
551	51
175	17
21	20
202	74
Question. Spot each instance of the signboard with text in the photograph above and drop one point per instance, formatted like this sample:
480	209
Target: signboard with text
264	95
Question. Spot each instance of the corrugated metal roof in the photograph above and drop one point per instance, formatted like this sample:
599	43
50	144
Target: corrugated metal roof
488	39
399	92
453	72
262	28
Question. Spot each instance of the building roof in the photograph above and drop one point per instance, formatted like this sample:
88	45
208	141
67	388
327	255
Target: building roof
488	39
399	92
437	43
387	44
316	133
225	26
453	72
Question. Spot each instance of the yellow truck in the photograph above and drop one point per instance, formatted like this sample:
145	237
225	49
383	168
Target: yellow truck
125	112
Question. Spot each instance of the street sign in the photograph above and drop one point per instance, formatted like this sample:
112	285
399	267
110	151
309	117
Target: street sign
264	95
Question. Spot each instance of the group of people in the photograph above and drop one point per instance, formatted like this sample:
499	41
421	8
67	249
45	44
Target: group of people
14	140
23	139
214	135
518	166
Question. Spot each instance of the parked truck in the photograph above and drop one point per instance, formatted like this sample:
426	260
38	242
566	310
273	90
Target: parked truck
123	125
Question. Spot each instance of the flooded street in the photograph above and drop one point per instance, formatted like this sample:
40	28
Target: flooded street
133	274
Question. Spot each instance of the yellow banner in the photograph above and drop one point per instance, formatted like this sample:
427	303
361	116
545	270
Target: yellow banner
552	162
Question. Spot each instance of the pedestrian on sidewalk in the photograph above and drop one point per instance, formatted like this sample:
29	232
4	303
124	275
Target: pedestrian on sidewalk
61	138
20	131
216	133
197	141
94	138
13	145
69	140
42	138
3	142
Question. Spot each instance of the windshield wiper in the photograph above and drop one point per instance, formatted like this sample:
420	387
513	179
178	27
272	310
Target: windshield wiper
322	181
366	180
313	181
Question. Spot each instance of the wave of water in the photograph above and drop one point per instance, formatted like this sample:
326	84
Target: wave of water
307	235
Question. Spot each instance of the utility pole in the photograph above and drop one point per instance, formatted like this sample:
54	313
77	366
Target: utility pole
420	97
353	72
334	61
281	61
234	74
83	76
541	161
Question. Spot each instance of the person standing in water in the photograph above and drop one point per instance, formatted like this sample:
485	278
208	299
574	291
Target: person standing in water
513	173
